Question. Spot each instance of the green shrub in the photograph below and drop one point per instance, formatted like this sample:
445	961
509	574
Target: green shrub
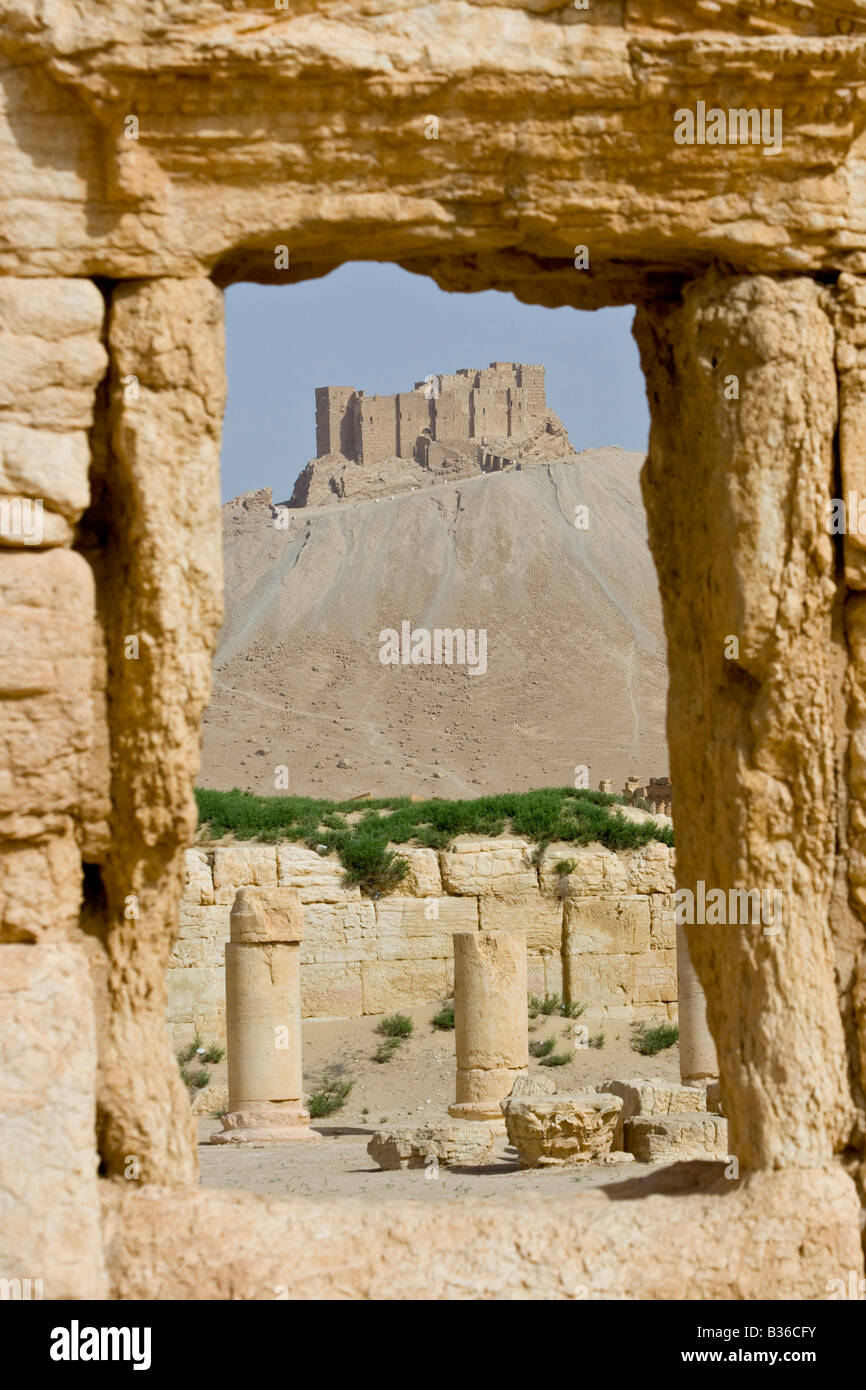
396	1026
550	1004
556	1059
369	864
187	1053
648	1041
201	1079
572	1010
533	1006
563	867
445	1017
597	1040
331	1095
542	1049
565	814
214	1053
385	1051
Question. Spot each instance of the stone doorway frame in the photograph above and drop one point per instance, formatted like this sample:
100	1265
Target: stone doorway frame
766	747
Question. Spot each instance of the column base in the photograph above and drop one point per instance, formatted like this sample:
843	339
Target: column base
267	1122
486	1110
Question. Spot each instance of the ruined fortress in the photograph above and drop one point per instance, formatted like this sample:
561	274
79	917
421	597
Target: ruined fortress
482	405
477	419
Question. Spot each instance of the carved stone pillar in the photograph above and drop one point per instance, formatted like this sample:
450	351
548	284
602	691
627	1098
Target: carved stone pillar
742	391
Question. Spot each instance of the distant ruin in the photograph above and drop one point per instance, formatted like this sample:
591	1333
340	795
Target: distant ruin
477	419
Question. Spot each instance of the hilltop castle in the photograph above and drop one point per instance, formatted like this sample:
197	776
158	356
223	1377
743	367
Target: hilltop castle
477	419
483	404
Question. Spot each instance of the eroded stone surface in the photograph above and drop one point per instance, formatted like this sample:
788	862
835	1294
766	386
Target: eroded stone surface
459	1143
49	1203
551	1131
685	1135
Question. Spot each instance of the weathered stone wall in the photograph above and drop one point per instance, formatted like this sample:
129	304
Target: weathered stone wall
602	935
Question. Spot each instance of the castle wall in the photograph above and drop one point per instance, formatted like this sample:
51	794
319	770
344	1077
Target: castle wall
376	428
452	414
489	412
414	414
334	423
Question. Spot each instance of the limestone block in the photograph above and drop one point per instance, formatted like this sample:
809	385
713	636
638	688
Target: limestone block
552	972
535	979
597	870
316	878
531	912
260	916
332	991
651	868
476	866
675	1137
198	883
40	882
237	866
51	353
398	984
424	879
196	1004
653	1097
406	930
663	931
553	1131
606	926
655	978
455	1144
339	932
531	1086
202	936
47	635
602	983
49	1202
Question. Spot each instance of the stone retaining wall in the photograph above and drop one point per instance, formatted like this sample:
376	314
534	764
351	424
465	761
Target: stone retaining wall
602	935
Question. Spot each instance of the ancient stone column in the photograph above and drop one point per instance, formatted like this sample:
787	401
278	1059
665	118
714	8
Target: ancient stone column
263	1020
698	1061
741	383
490	1020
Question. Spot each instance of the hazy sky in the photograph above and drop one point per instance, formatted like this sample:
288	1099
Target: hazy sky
378	328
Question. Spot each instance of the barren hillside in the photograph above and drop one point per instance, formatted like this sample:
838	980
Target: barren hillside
575	652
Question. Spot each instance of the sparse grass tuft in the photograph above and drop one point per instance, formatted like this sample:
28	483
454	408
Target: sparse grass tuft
396	1026
214	1053
572	1010
445	1017
597	1040
385	1051
556	1059
648	1041
331	1095
565	867
542	1049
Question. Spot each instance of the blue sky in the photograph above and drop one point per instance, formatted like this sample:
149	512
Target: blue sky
376	327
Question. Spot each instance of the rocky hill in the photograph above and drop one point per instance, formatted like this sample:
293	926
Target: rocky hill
575	659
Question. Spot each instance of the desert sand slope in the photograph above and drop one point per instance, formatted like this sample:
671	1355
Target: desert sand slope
575	650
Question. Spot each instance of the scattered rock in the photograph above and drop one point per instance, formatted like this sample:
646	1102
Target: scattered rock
693	1134
453	1144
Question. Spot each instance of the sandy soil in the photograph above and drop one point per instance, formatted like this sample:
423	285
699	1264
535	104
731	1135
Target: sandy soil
414	1088
575	672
